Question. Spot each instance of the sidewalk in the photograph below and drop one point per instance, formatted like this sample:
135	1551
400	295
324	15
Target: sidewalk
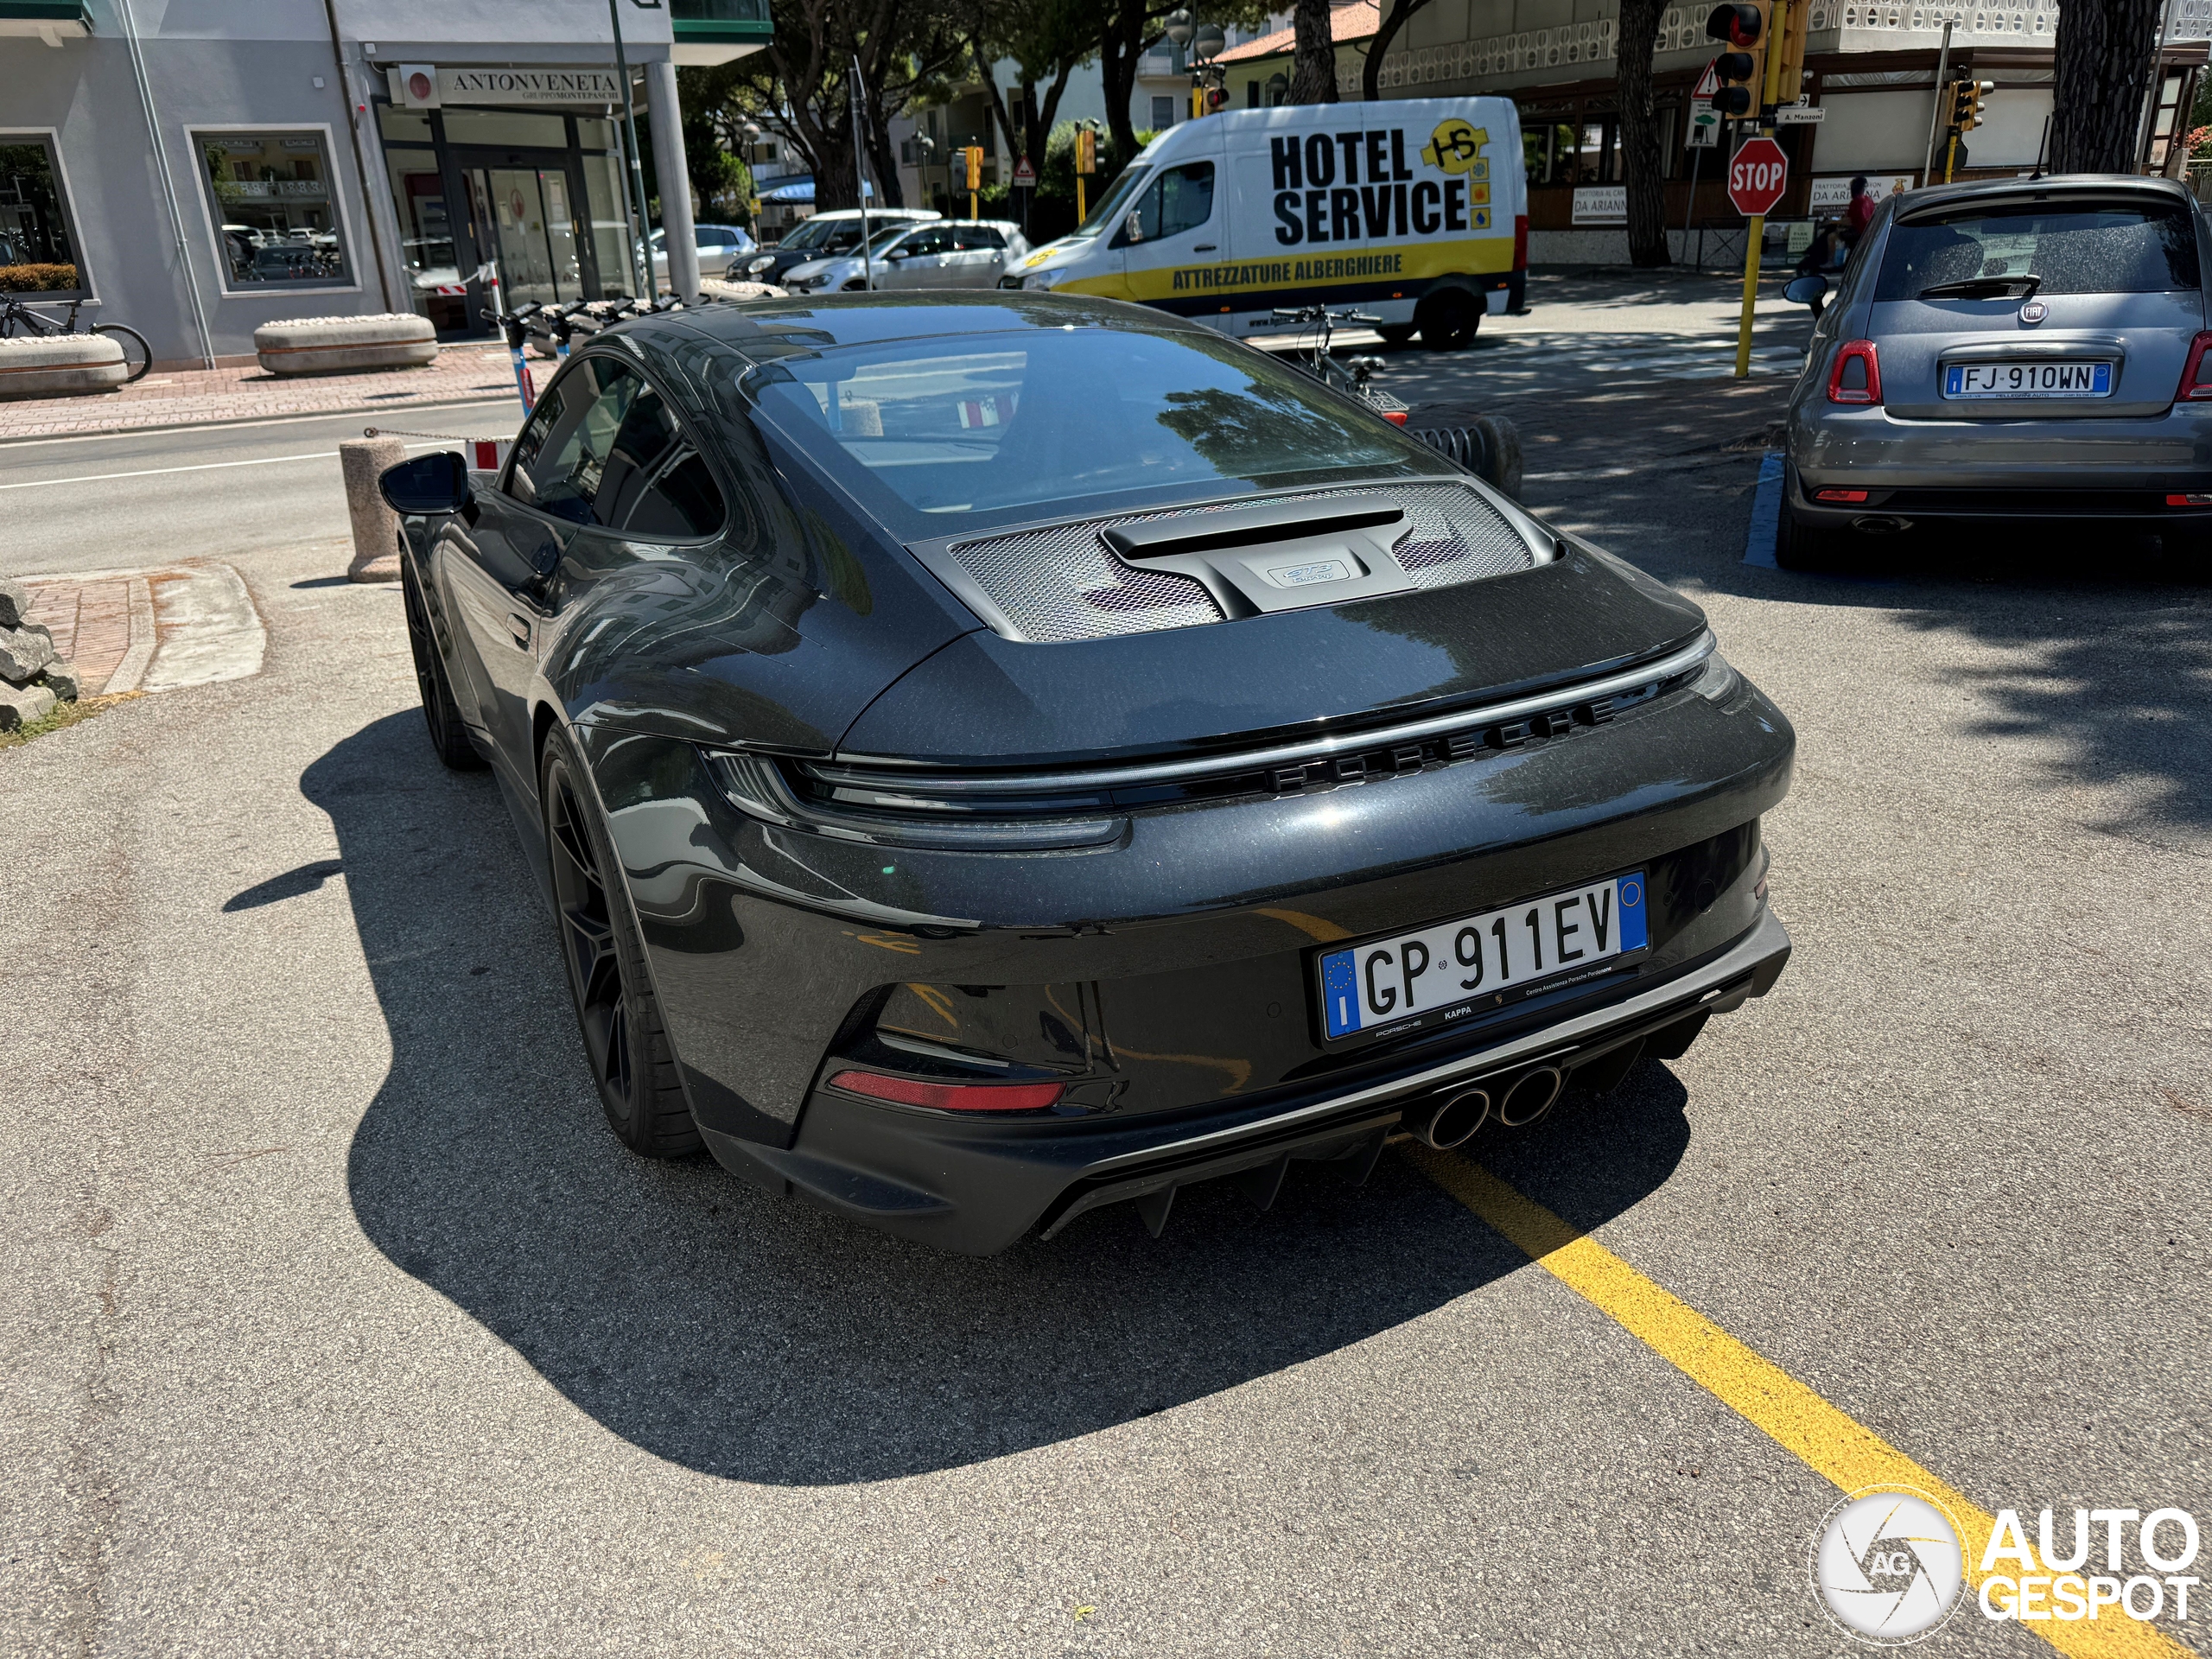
199	397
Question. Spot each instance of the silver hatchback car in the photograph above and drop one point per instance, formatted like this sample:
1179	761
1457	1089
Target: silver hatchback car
2012	349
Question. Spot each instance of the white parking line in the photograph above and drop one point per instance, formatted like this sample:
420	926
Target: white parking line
202	466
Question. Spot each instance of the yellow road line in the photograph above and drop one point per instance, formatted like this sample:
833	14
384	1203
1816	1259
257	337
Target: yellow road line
1760	1392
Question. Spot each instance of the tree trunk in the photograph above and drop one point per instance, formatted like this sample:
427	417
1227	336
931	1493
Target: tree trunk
1370	74
1643	166
1040	121
1313	70
2104	56
1120	39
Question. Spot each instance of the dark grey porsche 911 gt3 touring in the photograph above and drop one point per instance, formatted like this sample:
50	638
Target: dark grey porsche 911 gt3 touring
996	756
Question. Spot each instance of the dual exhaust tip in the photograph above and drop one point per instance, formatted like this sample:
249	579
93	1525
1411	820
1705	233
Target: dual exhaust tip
1452	1119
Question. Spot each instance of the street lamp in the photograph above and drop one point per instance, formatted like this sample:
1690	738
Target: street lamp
1178	24
1206	44
1278	88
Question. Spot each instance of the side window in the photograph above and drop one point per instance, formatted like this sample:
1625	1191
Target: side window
655	483
974	239
561	454
1180	199
923	242
603	448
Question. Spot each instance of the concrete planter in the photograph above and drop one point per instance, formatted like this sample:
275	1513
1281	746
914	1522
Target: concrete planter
58	365
336	344
714	288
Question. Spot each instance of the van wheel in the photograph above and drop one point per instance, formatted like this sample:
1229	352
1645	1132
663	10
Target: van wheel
1447	319
1396	333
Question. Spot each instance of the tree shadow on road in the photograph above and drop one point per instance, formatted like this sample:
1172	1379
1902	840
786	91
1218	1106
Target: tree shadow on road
2099	642
742	1335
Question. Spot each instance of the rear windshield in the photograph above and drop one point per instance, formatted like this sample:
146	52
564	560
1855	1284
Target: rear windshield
2073	248
940	436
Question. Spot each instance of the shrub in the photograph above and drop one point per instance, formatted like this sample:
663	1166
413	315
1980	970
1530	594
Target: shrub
37	279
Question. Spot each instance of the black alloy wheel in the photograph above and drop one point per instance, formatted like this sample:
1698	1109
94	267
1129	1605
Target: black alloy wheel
448	732
1448	319
138	355
624	1041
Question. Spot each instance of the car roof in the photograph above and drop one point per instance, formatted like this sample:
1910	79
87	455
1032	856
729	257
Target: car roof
874	212
825	322
1915	204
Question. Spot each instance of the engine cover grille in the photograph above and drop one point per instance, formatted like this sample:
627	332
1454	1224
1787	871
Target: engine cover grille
1066	583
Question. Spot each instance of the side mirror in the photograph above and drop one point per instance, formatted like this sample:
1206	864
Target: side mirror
894	256
1810	289
427	484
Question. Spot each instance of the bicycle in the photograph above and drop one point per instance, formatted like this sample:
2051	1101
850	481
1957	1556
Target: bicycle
1352	376
138	355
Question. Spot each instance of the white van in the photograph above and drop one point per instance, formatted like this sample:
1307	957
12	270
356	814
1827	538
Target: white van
1414	211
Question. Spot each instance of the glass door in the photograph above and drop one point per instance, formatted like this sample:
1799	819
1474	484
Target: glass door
525	222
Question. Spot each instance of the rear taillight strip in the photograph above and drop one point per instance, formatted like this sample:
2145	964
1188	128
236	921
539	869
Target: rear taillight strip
868	772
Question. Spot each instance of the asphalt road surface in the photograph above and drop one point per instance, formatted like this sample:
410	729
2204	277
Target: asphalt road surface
334	1320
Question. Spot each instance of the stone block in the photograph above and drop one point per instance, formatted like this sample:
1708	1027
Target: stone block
48	366
15	603
398	339
62	679
24	652
376	526
21	704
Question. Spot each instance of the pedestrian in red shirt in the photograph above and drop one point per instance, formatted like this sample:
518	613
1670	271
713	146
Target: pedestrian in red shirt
1859	214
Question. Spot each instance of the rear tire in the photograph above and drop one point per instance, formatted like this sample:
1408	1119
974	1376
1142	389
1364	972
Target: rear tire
603	953
1801	546
138	355
1447	319
1396	334
448	732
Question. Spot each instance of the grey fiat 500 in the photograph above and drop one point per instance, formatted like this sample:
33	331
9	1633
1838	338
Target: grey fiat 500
2015	349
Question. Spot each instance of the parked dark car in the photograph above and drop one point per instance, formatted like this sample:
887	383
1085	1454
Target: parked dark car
2008	352
996	755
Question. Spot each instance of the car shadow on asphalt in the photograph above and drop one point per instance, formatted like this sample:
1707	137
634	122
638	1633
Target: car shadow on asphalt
750	1337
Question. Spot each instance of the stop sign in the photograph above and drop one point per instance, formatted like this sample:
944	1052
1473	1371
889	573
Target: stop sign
1756	175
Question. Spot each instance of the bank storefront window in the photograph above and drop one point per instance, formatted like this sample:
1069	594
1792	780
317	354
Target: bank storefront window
275	210
38	247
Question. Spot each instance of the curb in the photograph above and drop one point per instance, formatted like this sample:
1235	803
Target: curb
257	420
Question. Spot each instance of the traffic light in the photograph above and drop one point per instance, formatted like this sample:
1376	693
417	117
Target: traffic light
1216	97
1741	70
972	154
1967	99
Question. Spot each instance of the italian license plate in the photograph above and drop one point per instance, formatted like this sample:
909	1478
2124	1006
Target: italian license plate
1452	971
2027	380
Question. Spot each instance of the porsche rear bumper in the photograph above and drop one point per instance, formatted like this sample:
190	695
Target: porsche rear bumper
976	1186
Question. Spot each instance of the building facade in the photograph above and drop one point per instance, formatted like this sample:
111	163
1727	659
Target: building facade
197	170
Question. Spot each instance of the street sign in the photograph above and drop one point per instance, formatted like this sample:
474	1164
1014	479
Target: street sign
1756	175
1025	176
1799	115
1708	84
1705	125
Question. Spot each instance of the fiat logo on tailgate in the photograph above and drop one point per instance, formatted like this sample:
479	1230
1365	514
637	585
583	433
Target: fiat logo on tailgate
2034	311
